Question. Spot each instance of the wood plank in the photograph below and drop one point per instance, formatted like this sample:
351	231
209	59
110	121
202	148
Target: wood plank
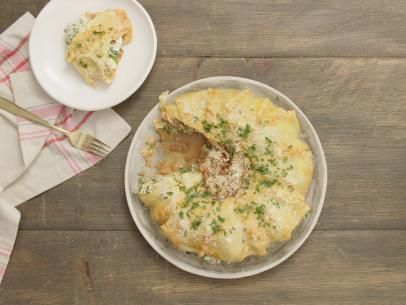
239	28
356	105
337	267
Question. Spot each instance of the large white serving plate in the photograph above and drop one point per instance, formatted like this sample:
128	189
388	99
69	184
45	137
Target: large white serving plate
60	80
252	265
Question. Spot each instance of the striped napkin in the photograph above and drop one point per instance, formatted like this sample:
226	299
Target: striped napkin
34	159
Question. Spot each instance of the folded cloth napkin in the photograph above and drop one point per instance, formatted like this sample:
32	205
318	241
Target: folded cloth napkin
33	158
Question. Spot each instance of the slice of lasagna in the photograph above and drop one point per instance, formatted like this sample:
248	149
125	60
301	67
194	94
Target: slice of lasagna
95	44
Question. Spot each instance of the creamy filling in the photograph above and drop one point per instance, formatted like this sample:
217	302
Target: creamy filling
75	27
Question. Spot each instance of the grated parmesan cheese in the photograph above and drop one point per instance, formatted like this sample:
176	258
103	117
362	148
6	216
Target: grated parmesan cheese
223	174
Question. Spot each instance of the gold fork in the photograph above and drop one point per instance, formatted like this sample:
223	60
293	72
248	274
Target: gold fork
79	140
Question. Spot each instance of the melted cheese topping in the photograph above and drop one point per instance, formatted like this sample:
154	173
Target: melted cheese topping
94	44
248	192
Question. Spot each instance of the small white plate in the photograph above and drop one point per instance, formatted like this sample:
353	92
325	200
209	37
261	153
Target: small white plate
252	265
60	80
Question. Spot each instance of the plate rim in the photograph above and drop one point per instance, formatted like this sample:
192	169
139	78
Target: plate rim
122	98
226	275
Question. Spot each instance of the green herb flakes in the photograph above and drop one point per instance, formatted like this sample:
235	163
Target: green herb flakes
207	126
215	226
266	183
206	194
196	223
268	140
275	203
260	210
99	32
185	170
262	169
243	132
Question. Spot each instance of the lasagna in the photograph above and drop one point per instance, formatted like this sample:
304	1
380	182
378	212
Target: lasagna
232	173
94	44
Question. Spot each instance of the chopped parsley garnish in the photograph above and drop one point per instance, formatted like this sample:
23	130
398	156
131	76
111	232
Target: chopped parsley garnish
290	146
266	183
260	210
262	169
223	126
228	144
195	205
206	194
268	151
275	203
250	153
215	226
185	170
290	187
245	182
181	214
196	223
190	194
243	132
245	209
99	32
82	64
242	210
78	45
221	219
113	54
272	161
268	140
169	193
207	126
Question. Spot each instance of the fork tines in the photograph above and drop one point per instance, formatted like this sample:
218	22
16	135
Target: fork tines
96	147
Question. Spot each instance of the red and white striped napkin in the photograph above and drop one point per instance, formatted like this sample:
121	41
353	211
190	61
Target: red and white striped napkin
34	159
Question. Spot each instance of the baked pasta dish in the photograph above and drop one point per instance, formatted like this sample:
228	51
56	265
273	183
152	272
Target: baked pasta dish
94	44
227	175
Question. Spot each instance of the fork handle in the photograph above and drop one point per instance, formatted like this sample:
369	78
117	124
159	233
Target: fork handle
21	112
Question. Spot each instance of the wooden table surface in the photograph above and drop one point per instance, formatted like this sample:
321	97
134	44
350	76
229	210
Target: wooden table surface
343	63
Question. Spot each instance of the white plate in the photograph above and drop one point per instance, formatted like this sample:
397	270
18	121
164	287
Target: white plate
60	80
253	265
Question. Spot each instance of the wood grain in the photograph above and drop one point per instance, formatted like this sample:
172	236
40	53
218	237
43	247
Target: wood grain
343	63
120	268
288	28
357	106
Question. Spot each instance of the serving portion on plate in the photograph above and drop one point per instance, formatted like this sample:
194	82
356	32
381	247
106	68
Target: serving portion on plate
231	173
94	43
92	54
